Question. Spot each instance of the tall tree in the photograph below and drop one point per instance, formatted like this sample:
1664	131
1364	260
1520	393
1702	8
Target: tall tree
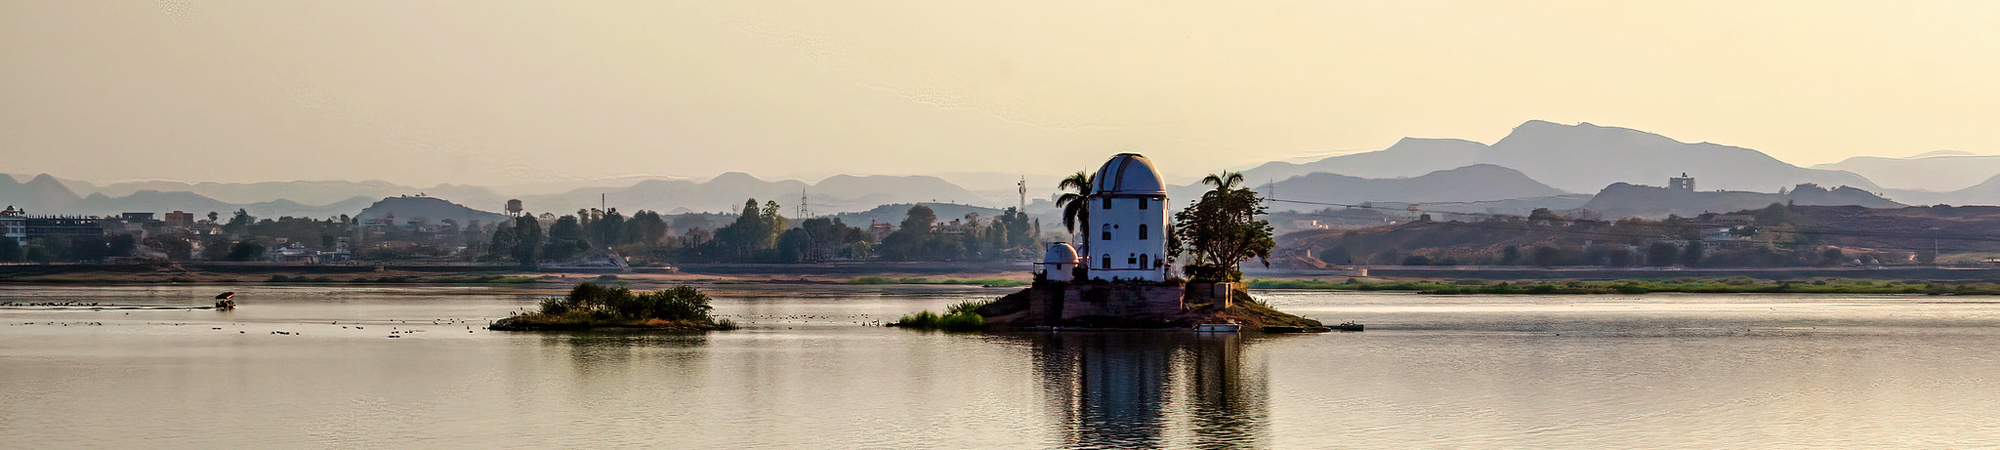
1075	204
567	239
913	239
527	240
239	223
753	233
1221	230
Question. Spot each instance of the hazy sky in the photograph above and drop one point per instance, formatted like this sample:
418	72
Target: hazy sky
497	92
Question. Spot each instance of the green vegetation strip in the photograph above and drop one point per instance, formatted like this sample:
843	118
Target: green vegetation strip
961	316
591	305
1735	285
995	282
503	279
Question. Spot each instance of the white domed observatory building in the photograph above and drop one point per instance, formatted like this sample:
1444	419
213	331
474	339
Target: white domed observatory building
1128	216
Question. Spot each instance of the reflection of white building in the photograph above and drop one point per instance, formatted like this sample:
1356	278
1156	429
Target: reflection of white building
1128	214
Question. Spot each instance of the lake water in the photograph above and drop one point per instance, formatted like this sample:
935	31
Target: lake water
1658	371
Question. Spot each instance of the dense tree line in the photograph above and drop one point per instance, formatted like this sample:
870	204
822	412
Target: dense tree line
920	238
1775	236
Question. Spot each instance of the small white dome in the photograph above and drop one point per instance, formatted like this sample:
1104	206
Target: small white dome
1129	174
1060	252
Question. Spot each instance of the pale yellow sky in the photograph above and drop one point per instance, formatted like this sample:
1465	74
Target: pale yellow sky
500	92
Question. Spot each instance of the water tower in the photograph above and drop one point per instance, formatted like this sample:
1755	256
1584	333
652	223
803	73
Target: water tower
514	207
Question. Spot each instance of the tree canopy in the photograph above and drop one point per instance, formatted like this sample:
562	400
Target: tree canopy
1221	230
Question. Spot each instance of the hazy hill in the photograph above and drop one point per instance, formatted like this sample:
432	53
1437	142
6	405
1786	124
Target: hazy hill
1408	158
154	201
42	194
1480	182
1985	193
1580	158
305	192
1621	200
431	209
726	193
48	195
1935	171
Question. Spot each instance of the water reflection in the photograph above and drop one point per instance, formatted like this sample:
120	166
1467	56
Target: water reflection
1148	390
598	353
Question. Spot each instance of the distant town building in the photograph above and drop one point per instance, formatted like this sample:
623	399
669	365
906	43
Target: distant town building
180	219
14	225
880	230
18	225
1683	183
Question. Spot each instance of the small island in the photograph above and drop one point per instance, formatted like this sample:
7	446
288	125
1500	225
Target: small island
1122	275
591	306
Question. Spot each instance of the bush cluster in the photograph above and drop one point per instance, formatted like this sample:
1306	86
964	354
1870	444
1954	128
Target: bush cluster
962	316
679	303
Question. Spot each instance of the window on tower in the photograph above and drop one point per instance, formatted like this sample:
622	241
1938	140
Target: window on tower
1143	202
1107	261
1107	203
1142	230
1107	232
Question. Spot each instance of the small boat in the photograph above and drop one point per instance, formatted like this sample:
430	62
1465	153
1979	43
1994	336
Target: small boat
1346	326
225	301
1218	328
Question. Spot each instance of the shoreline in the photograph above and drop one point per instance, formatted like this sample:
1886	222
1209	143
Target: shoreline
1465	281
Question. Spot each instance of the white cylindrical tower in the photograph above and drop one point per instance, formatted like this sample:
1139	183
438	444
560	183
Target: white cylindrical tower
1128	216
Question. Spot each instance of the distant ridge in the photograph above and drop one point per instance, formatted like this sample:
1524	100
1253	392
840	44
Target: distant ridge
1934	171
426	209
1621	200
726	192
1578	158
1474	183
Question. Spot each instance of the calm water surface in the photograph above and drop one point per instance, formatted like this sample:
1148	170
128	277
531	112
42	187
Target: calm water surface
1659	371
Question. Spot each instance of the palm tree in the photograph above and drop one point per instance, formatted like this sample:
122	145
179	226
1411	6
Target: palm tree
1223	181
1076	203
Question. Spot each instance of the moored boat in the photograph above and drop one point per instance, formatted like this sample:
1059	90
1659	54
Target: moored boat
1346	326
1218	328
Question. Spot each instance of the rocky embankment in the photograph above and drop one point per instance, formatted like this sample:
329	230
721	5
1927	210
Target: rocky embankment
1146	306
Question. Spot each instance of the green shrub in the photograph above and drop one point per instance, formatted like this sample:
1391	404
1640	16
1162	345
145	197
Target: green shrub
960	321
679	303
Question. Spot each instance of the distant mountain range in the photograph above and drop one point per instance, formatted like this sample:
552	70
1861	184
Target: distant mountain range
45	194
1621	200
1935	171
1578	158
726	193
1474	183
1538	164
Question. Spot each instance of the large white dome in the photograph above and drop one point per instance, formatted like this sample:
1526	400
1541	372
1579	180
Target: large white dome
1129	174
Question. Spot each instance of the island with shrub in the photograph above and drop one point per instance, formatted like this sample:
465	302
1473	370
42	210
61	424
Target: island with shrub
1122	275
592	306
